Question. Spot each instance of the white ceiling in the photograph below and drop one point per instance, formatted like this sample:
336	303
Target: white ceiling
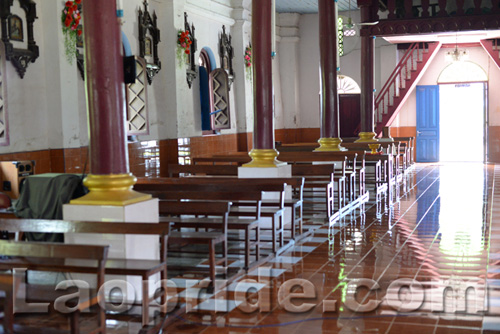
309	6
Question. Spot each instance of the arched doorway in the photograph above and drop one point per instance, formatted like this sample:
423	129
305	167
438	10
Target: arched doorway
463	112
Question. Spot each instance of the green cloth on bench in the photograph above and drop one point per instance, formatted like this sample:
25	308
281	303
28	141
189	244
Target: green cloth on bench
42	197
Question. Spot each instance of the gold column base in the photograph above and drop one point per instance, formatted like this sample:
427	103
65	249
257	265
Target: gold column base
330	145
366	137
112	189
264	158
374	148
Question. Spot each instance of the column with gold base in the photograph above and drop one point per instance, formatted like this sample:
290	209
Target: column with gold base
263	153
113	189
329	141
367	107
111	198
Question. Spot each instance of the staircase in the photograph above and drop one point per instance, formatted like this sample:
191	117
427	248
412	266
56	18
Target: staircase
402	81
492	47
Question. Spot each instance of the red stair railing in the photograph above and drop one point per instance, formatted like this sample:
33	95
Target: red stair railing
397	80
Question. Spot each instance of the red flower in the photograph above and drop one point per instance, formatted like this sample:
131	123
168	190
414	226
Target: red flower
68	4
187	51
79	32
67	22
78	1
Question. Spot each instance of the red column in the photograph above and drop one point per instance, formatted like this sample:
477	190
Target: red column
328	65
367	83
109	181
263	130
367	75
105	88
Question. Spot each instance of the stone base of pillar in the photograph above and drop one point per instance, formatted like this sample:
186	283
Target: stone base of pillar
264	158
330	145
366	137
141	247
112	189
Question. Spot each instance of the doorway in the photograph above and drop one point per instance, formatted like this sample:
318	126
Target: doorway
462	122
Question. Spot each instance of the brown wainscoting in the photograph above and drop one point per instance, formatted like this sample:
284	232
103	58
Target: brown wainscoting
404	131
302	135
494	143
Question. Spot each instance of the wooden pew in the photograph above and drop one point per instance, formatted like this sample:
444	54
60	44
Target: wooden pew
296	184
218	223
53	257
229	191
174	189
114	266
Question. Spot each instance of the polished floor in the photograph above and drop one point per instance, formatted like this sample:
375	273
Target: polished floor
428	264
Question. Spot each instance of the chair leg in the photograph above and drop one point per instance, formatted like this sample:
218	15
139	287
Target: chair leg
247	248
145	301
74	322
211	261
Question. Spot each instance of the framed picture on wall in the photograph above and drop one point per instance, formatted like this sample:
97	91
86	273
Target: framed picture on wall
16	28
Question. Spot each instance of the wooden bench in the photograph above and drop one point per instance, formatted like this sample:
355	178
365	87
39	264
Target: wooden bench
216	174
211	239
145	268
53	257
173	189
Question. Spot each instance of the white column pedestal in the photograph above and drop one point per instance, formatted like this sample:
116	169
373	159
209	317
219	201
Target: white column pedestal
121	246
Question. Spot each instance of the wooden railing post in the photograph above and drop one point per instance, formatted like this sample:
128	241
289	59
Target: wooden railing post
425	8
442	8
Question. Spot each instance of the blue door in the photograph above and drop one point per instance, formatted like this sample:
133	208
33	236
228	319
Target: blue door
206	123
427	123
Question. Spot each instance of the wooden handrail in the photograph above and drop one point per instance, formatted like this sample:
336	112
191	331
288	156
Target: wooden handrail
396	79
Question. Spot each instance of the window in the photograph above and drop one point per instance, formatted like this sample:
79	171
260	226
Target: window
462	71
137	112
346	85
184	151
340	37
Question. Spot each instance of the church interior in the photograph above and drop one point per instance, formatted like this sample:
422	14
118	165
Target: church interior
249	166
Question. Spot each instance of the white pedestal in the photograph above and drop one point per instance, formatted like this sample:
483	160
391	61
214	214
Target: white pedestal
121	246
271	172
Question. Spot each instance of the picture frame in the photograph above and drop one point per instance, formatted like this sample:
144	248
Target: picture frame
16	32
19	57
149	37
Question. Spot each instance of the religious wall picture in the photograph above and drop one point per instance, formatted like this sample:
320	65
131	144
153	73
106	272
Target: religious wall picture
16	28
148	47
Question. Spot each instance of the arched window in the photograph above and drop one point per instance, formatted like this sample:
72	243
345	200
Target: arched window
462	71
347	85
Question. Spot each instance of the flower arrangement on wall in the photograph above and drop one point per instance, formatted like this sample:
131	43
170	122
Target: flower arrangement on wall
248	61
183	46
70	19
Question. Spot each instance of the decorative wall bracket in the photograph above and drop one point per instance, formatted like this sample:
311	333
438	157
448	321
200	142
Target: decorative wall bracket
191	64
226	54
20	58
149	37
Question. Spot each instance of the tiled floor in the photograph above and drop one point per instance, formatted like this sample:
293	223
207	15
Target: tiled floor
432	263
441	239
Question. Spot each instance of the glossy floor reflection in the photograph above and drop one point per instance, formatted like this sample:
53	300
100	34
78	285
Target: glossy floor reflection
431	264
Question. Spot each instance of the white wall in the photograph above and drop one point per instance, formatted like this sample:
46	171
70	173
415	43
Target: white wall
350	65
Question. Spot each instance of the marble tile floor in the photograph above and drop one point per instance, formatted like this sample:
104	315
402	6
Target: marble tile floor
430	264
